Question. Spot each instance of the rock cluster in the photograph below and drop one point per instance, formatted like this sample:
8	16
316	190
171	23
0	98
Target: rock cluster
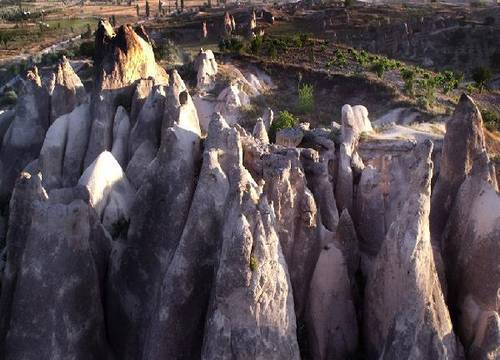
140	227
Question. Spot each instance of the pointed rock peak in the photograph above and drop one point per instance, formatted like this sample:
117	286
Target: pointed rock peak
142	33
124	57
65	73
260	132
33	76
466	105
176	82
345	220
217	123
104	30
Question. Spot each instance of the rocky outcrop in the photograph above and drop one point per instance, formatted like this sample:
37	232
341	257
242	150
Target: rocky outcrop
251	312
159	213
404	308
298	224
354	122
52	294
149	120
124	57
230	101
121	133
331	312
470	249
110	192
183	301
260	132
122	60
289	137
67	91
464	141
206	68
63	150
141	93
24	138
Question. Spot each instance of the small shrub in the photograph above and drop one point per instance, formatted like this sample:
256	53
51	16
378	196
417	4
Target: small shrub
427	90
283	121
87	49
8	98
481	77
305	102
232	45
448	80
491	119
408	76
256	44
254	263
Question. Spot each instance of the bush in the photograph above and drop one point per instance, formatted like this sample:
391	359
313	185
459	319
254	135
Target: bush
254	263
8	98
256	44
481	77
285	120
87	49
409	76
448	80
305	102
381	65
427	89
491	119
233	45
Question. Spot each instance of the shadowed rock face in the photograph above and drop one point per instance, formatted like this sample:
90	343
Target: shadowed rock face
463	142
57	251
159	214
24	138
470	250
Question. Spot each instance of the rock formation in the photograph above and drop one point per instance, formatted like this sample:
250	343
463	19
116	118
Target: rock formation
464	141
206	68
52	293
405	311
147	224
25	135
67	91
251	314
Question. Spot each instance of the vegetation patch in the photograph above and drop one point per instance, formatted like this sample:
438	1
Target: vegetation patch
284	120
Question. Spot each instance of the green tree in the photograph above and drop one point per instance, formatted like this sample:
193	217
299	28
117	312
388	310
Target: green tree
408	76
305	103
285	120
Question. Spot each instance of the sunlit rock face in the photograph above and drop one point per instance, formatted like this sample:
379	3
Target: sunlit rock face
405	310
124	57
206	68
